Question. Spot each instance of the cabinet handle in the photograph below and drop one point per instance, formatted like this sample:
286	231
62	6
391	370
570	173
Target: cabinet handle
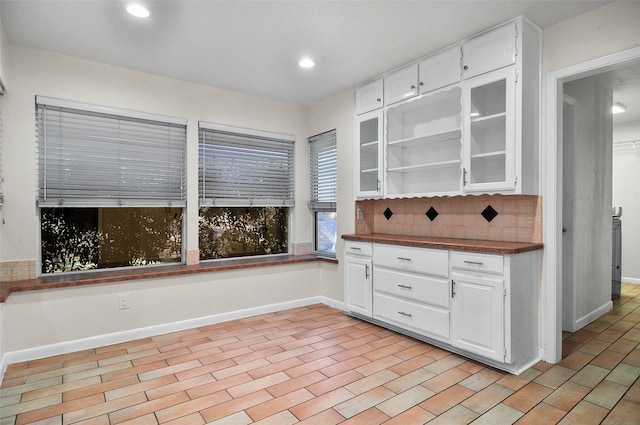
421	84
404	286
453	292
378	100
464	176
404	259
475	263
413	87
366	271
465	67
355	248
378	185
405	314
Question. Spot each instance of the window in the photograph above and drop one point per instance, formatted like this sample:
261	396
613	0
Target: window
323	191
246	191
111	186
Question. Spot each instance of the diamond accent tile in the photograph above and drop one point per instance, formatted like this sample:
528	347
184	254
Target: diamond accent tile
431	213
387	213
489	213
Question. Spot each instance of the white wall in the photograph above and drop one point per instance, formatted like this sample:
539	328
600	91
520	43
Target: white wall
337	112
587	203
33	319
626	194
608	29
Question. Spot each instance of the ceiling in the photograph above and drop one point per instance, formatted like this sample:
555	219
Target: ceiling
253	46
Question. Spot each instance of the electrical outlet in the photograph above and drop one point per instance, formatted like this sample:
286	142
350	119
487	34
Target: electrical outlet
360	215
123	301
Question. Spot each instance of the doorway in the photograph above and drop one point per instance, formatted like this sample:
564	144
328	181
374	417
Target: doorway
553	194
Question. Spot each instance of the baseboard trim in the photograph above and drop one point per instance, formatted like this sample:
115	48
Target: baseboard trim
631	280
133	334
588	318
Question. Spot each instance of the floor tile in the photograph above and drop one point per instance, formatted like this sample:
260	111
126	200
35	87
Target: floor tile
567	396
542	414
585	413
300	365
526	398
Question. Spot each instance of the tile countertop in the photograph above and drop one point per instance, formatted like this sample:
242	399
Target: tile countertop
496	247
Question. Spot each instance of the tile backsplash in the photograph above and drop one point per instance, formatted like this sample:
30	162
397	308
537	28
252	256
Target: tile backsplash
17	270
512	218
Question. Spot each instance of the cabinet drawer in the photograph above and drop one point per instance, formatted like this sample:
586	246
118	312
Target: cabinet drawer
418	260
358	248
415	287
486	263
429	321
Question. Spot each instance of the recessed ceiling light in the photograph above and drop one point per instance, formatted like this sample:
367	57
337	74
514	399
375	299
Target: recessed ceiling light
138	10
306	63
618	108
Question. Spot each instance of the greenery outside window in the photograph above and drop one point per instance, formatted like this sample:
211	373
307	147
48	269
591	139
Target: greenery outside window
323	190
111	186
246	192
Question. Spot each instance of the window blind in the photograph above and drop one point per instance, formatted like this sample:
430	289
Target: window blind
241	167
91	158
323	171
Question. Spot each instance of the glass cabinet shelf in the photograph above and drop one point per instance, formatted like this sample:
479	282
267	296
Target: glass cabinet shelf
435	137
420	167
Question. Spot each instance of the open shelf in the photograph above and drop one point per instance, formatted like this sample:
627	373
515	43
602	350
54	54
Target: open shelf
435	137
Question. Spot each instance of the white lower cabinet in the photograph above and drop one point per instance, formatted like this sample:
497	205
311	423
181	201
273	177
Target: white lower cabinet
483	306
358	291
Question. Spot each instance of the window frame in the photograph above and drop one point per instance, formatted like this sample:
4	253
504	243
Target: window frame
325	142
117	113
245	135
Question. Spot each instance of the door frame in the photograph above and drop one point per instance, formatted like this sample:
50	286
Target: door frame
551	328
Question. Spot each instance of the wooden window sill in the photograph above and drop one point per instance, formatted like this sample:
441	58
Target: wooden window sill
108	276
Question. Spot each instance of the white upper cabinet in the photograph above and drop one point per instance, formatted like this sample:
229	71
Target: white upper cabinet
463	120
491	50
401	84
440	70
369	97
489	131
369	154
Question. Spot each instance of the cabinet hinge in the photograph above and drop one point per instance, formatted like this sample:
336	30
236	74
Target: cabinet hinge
516	77
505	352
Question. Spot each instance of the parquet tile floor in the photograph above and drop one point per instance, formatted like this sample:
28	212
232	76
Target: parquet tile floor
316	365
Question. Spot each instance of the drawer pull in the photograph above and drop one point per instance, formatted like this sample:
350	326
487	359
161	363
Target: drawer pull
404	286
355	248
404	259
475	263
405	314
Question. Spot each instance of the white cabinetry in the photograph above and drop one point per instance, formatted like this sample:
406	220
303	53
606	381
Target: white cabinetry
369	154
411	289
423	145
369	96
358	277
452	131
489	129
477	323
491	50
483	306
401	84
439	70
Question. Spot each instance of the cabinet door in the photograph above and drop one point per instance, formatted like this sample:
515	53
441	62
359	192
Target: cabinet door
369	154
488	143
369	97
358	290
439	70
401	84
477	315
491	50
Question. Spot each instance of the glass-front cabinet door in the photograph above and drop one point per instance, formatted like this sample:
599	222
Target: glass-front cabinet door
489	131
369	154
